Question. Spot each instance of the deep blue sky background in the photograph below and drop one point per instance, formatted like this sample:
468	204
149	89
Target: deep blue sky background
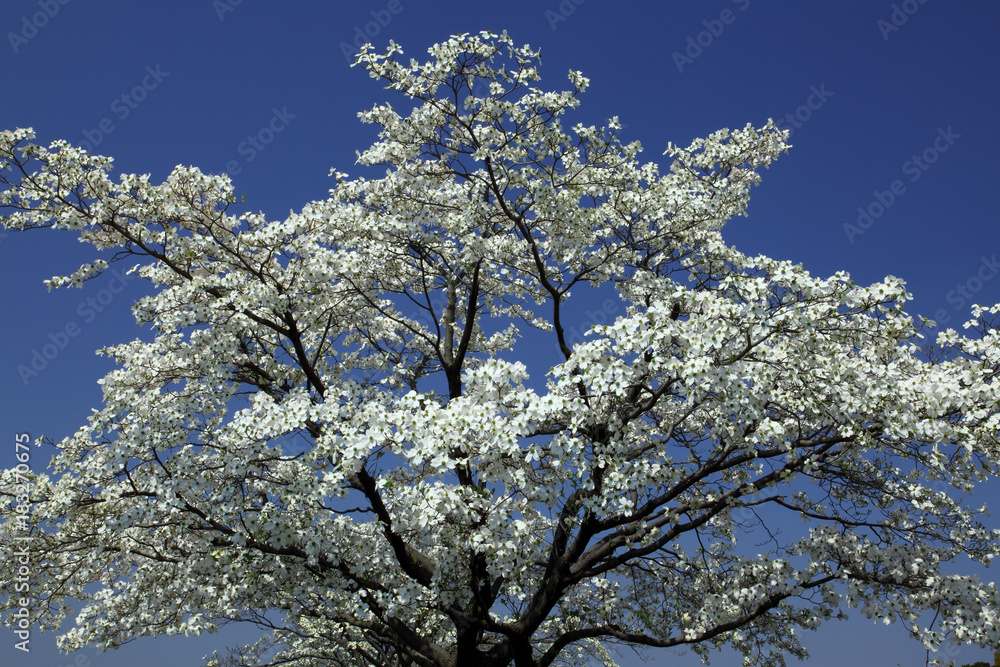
887	95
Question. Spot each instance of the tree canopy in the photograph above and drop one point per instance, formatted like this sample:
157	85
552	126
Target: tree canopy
366	428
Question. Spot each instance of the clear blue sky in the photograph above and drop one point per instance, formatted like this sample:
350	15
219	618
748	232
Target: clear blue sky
894	109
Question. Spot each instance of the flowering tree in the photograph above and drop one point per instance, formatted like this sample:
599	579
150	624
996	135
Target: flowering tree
329	435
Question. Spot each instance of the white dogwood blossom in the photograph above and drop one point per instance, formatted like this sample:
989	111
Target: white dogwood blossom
366	426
